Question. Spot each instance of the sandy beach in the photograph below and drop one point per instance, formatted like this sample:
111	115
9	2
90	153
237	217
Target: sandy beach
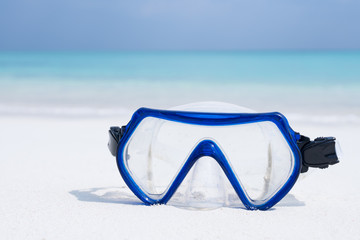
58	181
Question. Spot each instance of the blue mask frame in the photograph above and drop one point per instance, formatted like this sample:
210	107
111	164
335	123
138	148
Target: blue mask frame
210	148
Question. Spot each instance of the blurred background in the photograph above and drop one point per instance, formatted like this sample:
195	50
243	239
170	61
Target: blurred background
105	58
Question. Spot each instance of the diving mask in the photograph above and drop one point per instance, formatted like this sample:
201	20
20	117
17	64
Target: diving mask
259	154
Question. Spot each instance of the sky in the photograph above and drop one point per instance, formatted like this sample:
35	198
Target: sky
179	25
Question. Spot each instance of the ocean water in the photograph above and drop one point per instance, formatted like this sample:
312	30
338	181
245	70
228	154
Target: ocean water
110	83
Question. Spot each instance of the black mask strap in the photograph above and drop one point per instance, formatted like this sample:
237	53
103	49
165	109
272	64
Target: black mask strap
319	153
115	134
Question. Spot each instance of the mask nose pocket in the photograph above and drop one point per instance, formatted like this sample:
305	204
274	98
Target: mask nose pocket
205	186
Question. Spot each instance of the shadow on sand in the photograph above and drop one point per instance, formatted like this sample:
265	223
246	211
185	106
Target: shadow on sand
123	195
119	195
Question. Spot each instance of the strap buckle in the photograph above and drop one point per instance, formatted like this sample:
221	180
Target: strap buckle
115	134
319	153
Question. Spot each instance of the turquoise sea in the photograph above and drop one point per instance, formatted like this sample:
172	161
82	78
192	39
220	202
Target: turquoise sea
106	83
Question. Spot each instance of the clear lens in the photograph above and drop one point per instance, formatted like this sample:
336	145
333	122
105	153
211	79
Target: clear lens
257	152
261	159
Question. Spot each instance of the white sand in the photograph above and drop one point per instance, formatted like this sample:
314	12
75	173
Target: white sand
58	181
